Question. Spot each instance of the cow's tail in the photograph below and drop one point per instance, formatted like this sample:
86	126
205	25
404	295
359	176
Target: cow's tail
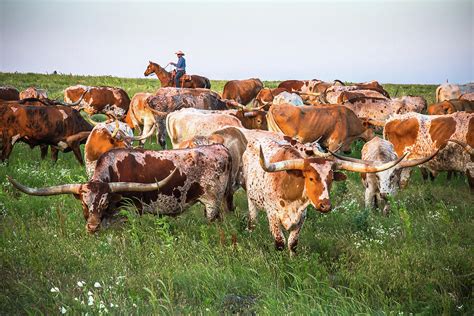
437	94
208	84
170	131
229	190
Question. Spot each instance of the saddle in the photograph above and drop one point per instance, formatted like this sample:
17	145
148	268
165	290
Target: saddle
184	77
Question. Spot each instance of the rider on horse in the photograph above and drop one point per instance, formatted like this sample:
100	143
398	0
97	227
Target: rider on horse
180	68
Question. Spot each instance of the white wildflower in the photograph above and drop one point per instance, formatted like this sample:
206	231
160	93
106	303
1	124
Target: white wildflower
97	285
80	283
101	305
90	293
90	301
54	289
63	310
134	305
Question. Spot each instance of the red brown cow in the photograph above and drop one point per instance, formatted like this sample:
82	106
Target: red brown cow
266	96
33	93
309	90
167	78
58	126
242	91
99	99
422	134
333	126
9	93
451	106
163	182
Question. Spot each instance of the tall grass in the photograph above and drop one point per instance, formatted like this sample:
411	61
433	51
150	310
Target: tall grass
417	260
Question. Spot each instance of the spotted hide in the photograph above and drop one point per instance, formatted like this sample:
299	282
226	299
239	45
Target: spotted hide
58	126
188	123
449	91
159	182
283	182
100	99
421	134
104	137
451	106
33	92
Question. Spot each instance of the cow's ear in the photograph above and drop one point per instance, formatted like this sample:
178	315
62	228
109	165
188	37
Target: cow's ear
339	176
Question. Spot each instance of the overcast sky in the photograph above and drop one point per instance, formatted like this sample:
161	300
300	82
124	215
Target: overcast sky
391	41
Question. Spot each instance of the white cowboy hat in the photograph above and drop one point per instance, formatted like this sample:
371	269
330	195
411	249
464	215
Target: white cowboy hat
179	52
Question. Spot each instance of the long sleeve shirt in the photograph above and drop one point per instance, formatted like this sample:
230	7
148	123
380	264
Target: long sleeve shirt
181	65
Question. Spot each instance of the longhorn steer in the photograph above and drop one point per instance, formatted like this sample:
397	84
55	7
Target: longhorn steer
233	139
159	182
100	99
379	186
283	182
242	91
449	91
33	93
58	126
332	125
187	123
421	134
451	106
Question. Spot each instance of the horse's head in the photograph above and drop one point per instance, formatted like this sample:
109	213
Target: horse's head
152	67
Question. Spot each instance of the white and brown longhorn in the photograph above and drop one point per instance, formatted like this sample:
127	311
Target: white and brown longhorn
159	182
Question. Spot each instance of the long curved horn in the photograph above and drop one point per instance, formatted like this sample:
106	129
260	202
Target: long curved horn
137	138
359	165
140	187
116	129
233	104
294	164
416	162
375	122
466	147
53	190
91	121
74	103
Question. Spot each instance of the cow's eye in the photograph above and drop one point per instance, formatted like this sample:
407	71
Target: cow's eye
311	179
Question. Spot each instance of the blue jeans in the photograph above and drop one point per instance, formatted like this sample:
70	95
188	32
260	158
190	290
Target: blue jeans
177	78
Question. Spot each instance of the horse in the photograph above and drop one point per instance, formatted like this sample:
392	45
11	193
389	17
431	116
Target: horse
167	78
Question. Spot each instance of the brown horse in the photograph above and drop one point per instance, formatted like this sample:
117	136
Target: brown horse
167	78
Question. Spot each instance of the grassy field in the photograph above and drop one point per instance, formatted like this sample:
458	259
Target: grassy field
417	260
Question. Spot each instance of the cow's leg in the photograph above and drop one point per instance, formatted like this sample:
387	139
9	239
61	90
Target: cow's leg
44	151
294	234
54	154
252	220
369	197
470	179
161	133
7	146
212	211
424	173
147	126
404	177
275	229
77	153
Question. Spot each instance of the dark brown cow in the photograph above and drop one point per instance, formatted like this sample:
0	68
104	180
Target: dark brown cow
242	91
100	99
167	78
159	182
58	126
451	106
333	126
9	93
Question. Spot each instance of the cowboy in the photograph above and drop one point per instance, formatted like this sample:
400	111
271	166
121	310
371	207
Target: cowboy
180	68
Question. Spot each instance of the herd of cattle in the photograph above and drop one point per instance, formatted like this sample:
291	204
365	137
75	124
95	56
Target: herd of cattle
282	145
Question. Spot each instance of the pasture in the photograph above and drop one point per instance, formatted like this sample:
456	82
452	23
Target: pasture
419	259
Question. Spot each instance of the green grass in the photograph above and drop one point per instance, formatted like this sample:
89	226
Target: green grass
417	260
